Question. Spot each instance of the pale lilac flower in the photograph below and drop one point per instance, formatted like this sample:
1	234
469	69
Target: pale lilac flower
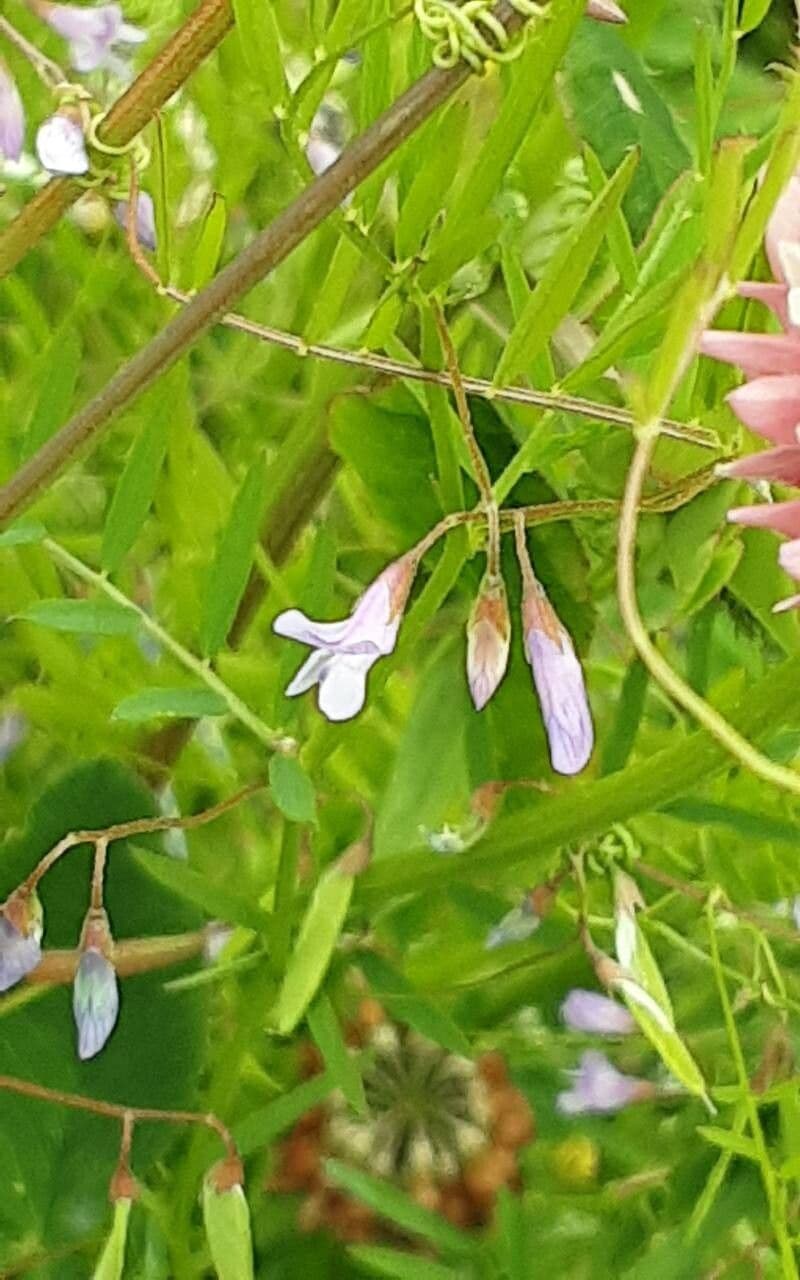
488	640
597	1088
61	147
518	924
557	673
145	219
594	1013
321	153
20	951
345	652
92	33
12	116
605	11
95	1002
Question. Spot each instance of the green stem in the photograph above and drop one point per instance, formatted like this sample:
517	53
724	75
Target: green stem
271	738
768	1176
284	896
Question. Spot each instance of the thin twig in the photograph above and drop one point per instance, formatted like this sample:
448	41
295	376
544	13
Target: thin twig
119	1111
48	71
132	956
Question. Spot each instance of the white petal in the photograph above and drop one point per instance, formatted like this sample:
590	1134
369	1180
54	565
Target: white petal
128	34
320	635
343	687
60	146
311	672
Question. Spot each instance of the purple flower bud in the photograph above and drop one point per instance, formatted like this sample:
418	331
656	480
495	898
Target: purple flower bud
557	673
61	147
91	33
488	639
145	219
519	923
12	116
95	1002
20	939
321	153
597	1088
596	1014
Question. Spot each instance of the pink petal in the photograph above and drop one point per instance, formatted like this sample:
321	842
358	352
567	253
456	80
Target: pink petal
770	406
605	11
755	353
789	558
781	517
779	466
772	295
784	224
320	635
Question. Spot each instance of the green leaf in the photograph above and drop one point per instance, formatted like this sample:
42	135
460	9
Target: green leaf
259	38
22	533
381	1261
620	245
56	394
398	1208
134	492
215	900
432	182
563	276
210	241
405	1004
227	1222
112	1260
263	1126
149	704
753	14
234	557
736	1143
319	933
292	789
341	1064
86	617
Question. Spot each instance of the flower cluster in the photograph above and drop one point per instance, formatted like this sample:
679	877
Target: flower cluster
769	401
344	652
445	1128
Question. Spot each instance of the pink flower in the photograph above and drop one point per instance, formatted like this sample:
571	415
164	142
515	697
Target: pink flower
488	640
92	33
12	116
598	1087
61	147
345	652
769	401
594	1013
557	673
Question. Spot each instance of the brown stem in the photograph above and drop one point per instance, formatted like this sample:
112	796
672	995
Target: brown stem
118	1111
482	477
361	158
124	830
700	895
187	48
132	956
98	873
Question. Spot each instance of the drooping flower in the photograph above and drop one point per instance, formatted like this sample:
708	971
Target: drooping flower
95	1002
321	153
605	11
598	1088
92	34
596	1014
61	147
769	401
145	219
488	640
517	925
12	116
557	673
20	938
345	652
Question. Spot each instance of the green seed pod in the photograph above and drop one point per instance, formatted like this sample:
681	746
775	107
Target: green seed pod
227	1221
112	1259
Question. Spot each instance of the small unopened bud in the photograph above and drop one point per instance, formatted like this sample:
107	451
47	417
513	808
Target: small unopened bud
123	1185
518	924
21	927
588	1011
488	639
95	995
605	11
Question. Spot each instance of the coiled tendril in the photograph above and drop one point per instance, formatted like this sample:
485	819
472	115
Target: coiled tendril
470	31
